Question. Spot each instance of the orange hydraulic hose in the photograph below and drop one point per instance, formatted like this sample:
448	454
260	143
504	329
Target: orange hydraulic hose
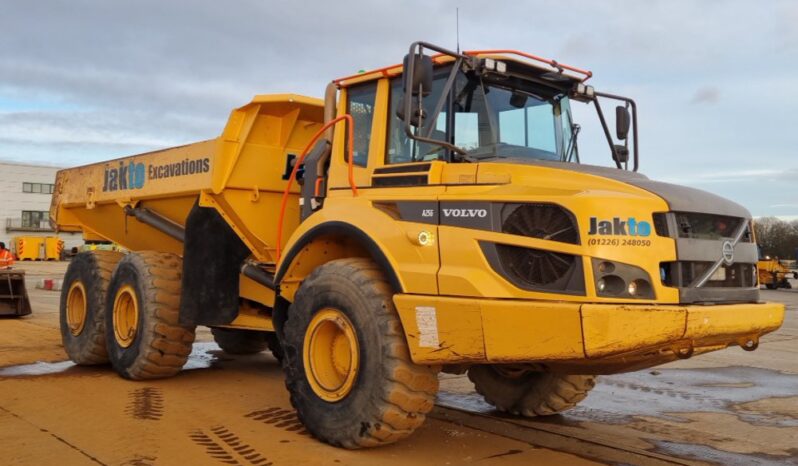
351	140
317	188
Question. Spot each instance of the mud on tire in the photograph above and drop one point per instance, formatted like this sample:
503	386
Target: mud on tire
390	395
160	345
530	394
93	271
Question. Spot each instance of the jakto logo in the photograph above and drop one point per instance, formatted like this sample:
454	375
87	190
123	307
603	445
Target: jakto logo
616	226
128	175
465	213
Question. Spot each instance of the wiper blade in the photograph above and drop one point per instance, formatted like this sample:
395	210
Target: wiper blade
479	154
575	128
479	158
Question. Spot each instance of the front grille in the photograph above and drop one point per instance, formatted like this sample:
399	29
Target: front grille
682	273
545	221
661	224
536	269
709	226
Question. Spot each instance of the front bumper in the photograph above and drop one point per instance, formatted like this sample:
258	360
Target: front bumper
447	330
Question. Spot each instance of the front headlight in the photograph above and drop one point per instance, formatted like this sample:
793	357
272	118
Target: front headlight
619	280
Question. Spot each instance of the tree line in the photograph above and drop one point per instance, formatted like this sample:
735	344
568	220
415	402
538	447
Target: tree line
777	237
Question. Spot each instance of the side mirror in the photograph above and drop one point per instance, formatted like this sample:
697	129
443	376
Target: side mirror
422	73
622	122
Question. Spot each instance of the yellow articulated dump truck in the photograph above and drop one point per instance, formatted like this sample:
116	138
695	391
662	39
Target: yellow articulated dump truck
423	217
773	274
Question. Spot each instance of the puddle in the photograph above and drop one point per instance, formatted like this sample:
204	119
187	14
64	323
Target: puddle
37	368
204	355
715	390
712	455
618	398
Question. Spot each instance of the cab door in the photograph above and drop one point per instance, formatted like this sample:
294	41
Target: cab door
398	182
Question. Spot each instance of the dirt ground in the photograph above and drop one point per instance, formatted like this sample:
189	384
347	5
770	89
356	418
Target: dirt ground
728	407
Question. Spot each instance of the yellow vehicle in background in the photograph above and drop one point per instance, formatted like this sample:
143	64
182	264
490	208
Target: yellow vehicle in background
427	216
773	274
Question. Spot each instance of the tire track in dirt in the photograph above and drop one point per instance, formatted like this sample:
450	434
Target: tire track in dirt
145	404
225	446
283	418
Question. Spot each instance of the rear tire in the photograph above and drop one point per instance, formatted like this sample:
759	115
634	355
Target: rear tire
239	341
530	394
385	397
143	335
82	306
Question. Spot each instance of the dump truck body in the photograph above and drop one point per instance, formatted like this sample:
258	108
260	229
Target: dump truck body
464	258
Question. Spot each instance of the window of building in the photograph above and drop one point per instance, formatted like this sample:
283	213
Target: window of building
361	106
44	188
34	218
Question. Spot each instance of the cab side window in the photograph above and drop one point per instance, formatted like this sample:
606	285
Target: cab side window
360	104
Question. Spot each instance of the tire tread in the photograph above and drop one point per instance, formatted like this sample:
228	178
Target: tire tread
165	349
544	394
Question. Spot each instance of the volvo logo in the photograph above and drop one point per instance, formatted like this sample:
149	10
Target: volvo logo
728	252
465	213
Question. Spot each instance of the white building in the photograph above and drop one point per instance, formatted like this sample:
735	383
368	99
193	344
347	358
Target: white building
25	195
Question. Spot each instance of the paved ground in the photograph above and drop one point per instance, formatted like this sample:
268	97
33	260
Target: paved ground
730	407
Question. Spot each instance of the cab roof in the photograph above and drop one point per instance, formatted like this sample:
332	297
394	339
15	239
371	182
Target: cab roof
543	67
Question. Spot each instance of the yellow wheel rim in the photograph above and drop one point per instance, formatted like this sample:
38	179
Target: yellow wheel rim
76	308
126	316
331	354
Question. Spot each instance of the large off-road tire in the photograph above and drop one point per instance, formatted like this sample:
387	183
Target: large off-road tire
347	363
82	307
143	336
240	341
530	394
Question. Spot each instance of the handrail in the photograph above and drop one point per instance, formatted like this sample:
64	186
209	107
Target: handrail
301	158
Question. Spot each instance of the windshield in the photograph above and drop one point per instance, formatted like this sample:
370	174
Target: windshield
495	120
490	119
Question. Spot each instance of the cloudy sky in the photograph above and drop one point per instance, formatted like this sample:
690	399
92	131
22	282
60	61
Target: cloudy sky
716	81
